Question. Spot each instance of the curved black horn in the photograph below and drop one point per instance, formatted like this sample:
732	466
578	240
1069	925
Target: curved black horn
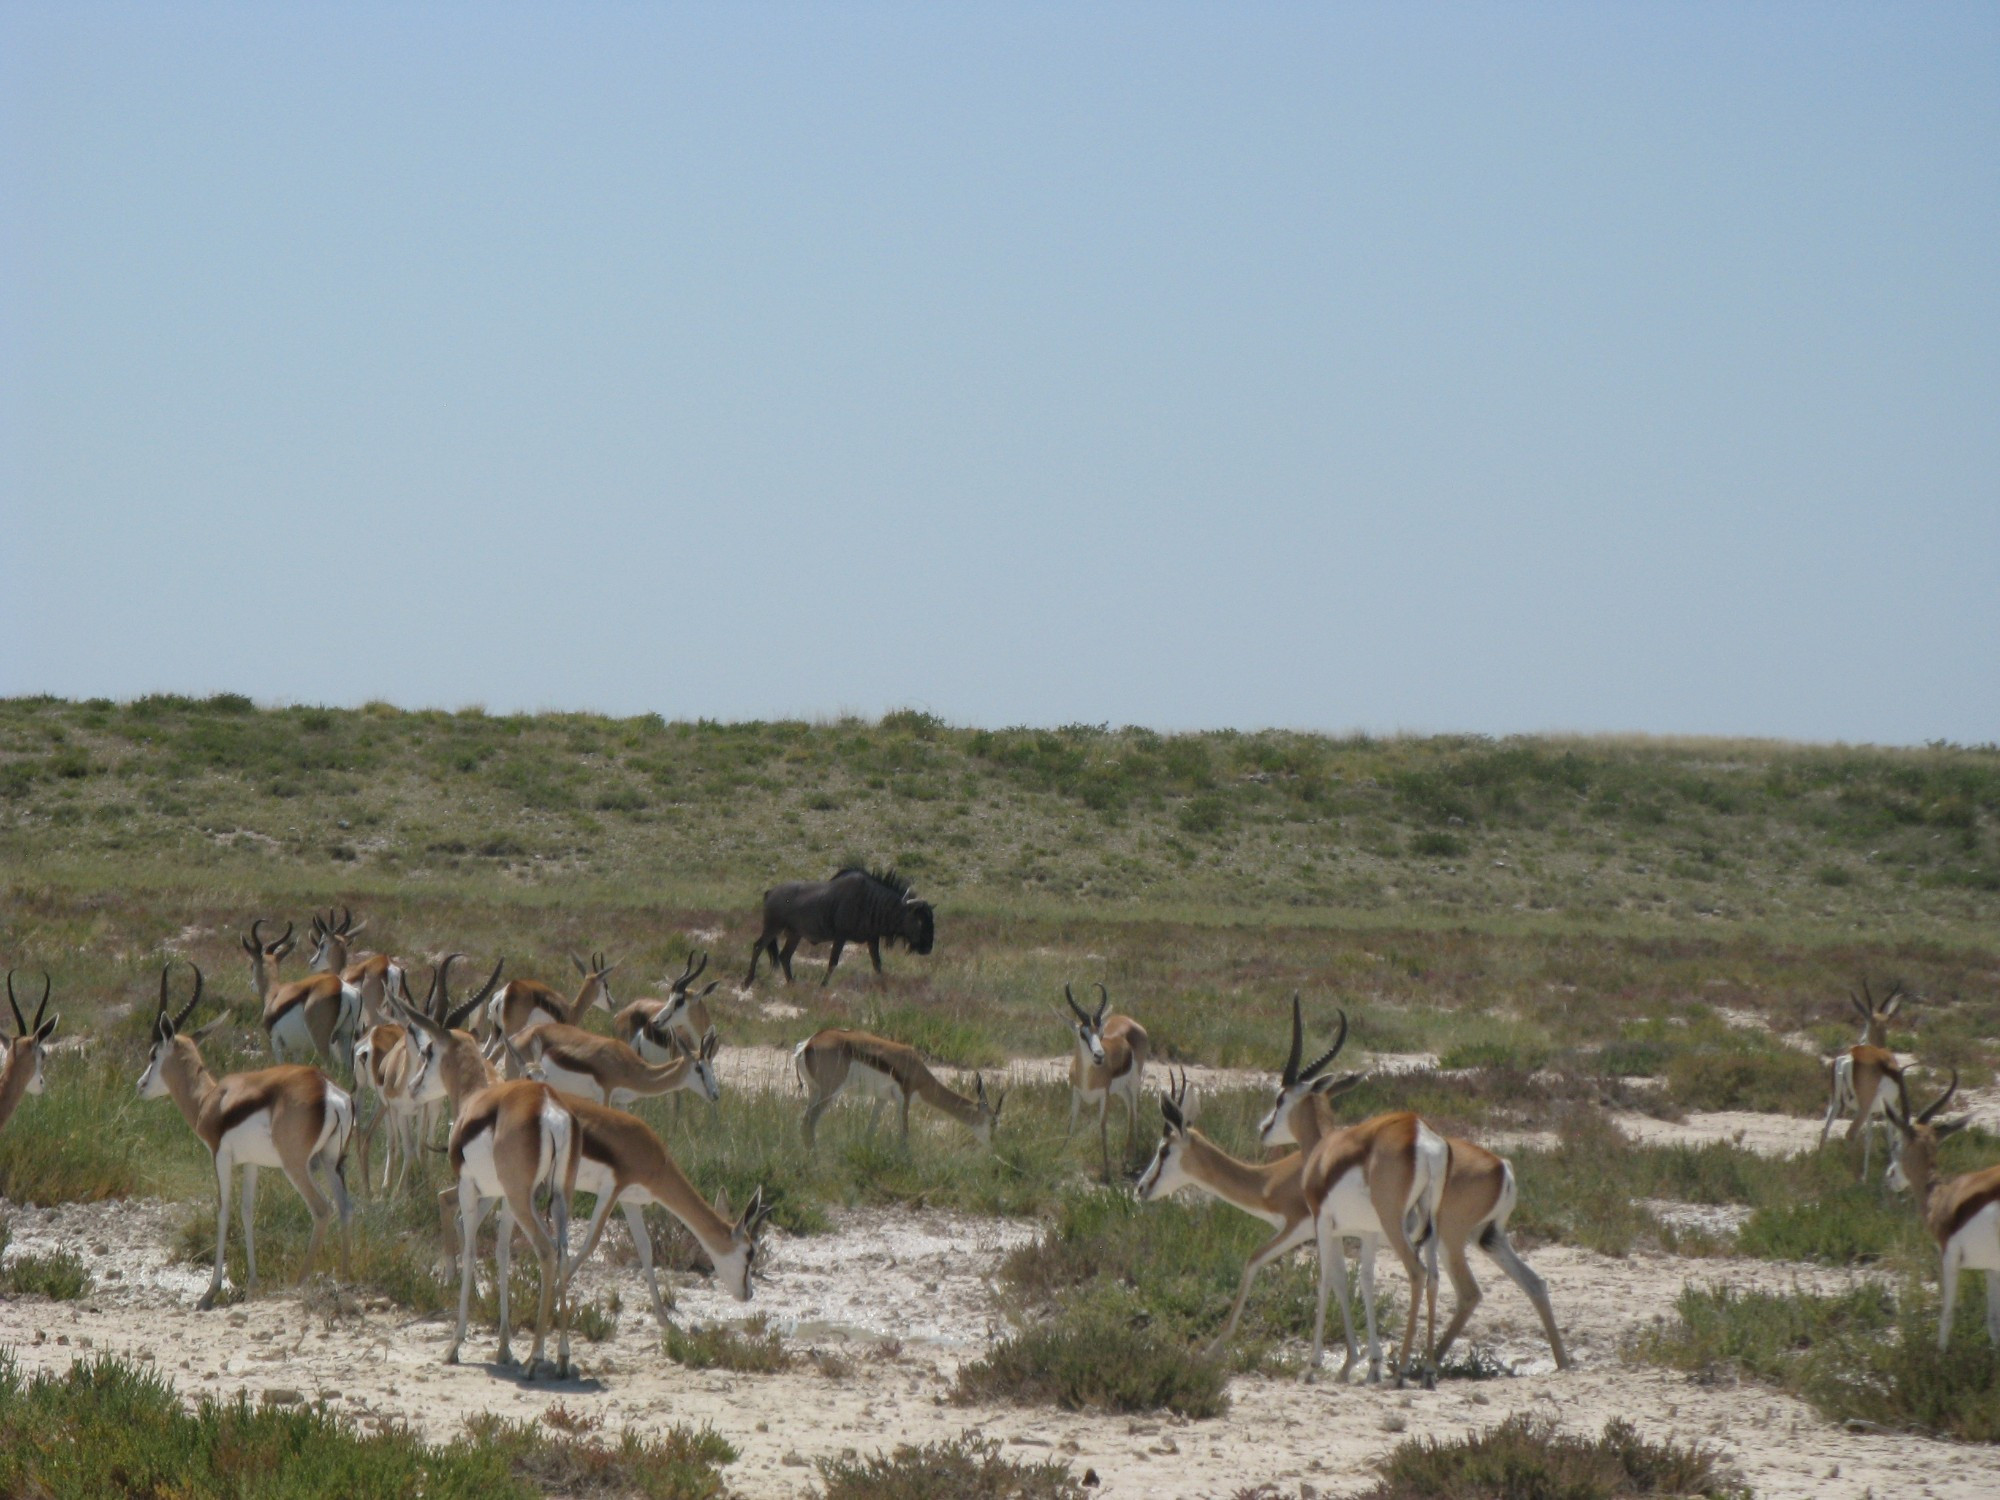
193	1000
1103	1004
1941	1101
289	925
20	1026
1291	1074
438	1002
257	932
1081	1014
48	984
695	973
458	1015
165	969
1339	1041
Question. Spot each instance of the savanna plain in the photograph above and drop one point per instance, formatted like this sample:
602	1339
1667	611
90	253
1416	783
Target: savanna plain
1625	964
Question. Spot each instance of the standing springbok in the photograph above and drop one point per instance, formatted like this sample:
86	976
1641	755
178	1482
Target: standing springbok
21	1069
623	1162
684	1010
830	1061
376	975
1962	1212
291	1117
606	1071
1478	1197
508	1139
385	1062
1858	1079
520	1003
317	1014
1109	1060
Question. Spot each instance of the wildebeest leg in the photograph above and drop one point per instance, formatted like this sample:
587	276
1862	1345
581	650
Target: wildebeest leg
875	953
785	954
756	953
833	958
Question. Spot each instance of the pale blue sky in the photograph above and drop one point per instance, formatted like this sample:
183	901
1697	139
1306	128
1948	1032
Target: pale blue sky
1486	368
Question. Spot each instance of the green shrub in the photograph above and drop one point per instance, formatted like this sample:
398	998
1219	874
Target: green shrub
754	1349
967	1467
60	1277
1099	1352
1528	1458
1768	1080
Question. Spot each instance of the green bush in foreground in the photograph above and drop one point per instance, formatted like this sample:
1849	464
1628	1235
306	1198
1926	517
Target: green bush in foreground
1527	1458
60	1277
105	1427
1102	1354
967	1467
1860	1354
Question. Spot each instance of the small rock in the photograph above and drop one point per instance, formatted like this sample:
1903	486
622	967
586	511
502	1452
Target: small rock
1090	1478
62	1338
793	1460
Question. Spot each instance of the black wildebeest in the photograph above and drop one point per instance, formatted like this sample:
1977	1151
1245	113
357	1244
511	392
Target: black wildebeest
856	906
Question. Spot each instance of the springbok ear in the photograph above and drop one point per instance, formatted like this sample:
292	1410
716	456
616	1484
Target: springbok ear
710	1045
47	1030
1944	1128
713	986
722	1204
581	966
1329	1087
1893	1004
203	1033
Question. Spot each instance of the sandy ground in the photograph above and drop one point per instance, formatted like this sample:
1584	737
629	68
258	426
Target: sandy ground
905	1298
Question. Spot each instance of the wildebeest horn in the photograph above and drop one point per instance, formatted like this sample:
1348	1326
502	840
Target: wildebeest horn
193	1000
1081	1014
1103	1004
1941	1101
20	1025
1291	1074
1339	1041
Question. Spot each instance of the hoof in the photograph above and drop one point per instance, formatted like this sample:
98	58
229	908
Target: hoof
1310	1375
505	1359
207	1302
451	1355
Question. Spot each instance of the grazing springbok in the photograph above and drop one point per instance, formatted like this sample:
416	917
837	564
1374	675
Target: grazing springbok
317	1014
1478	1198
1270	1191
623	1162
21	1069
376	975
291	1117
509	1138
1860	1079
640	1025
606	1071
520	1003
830	1061
1109	1060
1962	1212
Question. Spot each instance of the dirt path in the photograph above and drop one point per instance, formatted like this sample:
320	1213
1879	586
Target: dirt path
921	1280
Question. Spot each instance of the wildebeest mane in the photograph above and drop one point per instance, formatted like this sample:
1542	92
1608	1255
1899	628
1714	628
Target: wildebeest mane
888	877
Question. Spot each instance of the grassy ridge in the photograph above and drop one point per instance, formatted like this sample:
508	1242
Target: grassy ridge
1456	826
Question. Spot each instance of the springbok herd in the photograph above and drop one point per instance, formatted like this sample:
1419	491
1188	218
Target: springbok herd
533	1099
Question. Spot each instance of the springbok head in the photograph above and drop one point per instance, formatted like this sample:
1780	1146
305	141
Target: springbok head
1166	1174
1297	1083
1913	1161
1875	1018
1088	1025
25	1048
167	1039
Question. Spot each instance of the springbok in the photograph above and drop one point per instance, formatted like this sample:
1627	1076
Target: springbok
21	1068
684	1010
606	1071
520	1003
1478	1197
317	1014
1857	1077
291	1117
1109	1060
385	1062
1962	1212
830	1061
508	1139
376	975
623	1162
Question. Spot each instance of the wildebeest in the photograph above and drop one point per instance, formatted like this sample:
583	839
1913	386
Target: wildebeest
856	906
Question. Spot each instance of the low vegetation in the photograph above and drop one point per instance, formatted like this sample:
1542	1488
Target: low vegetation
1868	1354
752	1349
967	1467
1104	1354
107	1427
1530	1458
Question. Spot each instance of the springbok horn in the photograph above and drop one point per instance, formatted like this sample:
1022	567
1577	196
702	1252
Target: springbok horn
1172	1112
165	969
346	918
1339	1041
1103	1004
47	985
289	925
257	933
20	1026
1291	1074
438	1002
1081	1014
1942	1099
473	1004
695	969
1855	1000
193	1000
